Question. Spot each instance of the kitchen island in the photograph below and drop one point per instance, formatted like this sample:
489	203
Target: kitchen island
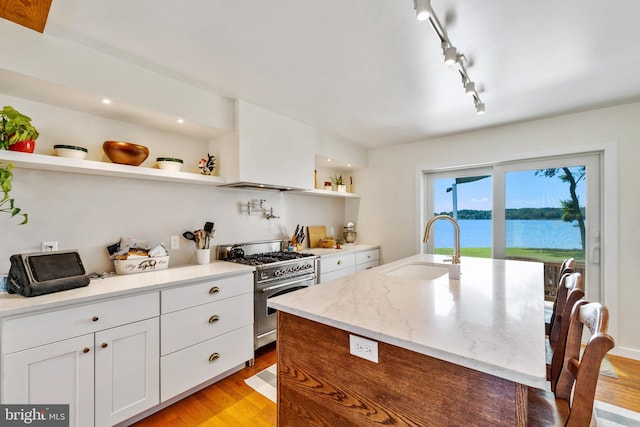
450	352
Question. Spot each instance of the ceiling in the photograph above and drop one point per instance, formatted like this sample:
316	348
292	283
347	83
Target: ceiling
367	70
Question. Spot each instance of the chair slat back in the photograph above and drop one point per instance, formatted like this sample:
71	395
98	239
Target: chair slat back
568	282
567	266
579	375
574	280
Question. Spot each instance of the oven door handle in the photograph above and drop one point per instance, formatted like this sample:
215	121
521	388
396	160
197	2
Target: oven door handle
271	288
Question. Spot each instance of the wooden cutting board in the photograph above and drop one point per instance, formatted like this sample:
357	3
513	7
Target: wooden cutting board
315	233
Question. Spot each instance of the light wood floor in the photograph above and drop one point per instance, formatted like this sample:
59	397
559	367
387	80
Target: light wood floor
231	402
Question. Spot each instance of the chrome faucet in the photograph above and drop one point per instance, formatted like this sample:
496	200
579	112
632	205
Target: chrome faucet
455	259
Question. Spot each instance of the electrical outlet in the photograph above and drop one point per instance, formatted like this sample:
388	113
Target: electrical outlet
175	242
49	246
362	347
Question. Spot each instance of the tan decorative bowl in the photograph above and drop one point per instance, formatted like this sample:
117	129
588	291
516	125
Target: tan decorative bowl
125	153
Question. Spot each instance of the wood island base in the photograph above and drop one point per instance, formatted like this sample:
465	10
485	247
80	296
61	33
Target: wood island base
321	383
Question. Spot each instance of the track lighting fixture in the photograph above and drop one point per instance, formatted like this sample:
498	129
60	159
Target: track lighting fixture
470	88
423	9
451	56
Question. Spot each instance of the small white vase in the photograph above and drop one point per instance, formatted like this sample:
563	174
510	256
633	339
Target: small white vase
342	188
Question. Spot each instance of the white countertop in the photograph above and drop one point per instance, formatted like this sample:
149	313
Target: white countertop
118	285
491	320
346	247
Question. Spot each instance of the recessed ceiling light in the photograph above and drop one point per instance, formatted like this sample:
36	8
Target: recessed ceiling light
181	121
328	160
106	101
349	165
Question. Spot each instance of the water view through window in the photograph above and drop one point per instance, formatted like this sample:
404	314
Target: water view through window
544	215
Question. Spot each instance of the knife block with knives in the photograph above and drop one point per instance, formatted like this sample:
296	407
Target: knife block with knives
297	238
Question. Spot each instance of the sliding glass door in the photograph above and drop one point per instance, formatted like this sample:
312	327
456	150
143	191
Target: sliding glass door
542	210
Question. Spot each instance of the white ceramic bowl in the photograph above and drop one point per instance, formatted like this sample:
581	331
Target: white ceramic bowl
70	151
169	163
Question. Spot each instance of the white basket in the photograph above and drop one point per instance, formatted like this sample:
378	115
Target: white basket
141	265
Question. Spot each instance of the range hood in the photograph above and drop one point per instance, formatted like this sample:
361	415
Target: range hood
257	186
267	151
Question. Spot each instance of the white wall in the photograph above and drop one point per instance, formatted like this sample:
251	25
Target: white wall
87	212
387	213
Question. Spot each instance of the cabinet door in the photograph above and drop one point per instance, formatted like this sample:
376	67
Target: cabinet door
127	371
58	373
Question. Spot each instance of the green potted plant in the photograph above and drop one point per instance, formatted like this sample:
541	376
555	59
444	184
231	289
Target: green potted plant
339	183
7	204
16	131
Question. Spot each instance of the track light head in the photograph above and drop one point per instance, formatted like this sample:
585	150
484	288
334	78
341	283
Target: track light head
423	9
450	55
470	88
480	108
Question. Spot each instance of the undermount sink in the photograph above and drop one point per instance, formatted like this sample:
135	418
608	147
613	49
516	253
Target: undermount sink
425	270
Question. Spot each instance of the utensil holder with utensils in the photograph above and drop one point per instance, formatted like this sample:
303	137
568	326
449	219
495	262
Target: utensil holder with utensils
203	256
202	239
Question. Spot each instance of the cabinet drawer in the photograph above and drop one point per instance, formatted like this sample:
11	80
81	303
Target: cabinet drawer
187	368
184	328
337	262
367	265
33	330
336	274
205	292
367	256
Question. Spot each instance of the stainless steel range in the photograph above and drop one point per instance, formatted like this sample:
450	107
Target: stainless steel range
277	273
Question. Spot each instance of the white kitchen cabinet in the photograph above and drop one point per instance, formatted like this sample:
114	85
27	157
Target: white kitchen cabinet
189	367
100	358
58	373
206	330
336	266
367	259
127	362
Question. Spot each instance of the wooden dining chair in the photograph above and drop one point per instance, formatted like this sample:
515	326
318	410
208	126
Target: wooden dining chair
571	403
554	348
566	267
571	289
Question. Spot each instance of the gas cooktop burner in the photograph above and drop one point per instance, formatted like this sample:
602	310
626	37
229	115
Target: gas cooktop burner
269	257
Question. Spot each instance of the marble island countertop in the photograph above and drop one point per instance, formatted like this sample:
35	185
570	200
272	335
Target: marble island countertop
491	320
119	285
